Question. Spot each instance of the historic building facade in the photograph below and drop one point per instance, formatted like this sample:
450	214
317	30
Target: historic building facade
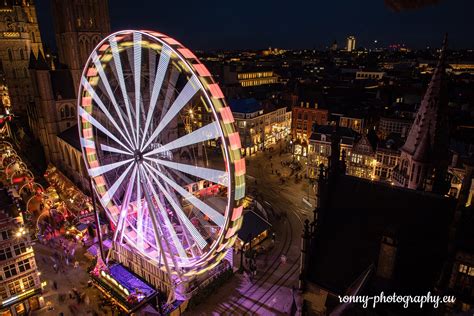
19	37
20	285
303	118
79	27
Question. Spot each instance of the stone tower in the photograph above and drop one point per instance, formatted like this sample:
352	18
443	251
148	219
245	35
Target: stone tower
79	26
423	159
19	36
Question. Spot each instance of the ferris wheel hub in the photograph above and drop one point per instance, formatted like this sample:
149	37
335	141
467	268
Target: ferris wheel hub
138	156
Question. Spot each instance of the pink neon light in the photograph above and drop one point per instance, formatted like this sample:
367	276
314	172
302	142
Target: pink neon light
239	167
90	150
87	133
104	47
187	53
227	116
93	164
234	140
91	72
216	91
86	101
155	34
202	70
99	180
230	232
171	41
237	213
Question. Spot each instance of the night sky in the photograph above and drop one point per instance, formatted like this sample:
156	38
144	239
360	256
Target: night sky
250	24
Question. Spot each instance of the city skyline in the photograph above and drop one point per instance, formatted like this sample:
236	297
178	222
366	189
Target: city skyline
220	25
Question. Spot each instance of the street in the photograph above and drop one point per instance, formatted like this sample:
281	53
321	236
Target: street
271	291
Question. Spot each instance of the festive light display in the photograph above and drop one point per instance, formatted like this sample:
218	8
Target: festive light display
138	93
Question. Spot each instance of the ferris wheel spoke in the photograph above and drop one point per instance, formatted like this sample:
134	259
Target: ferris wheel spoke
140	212
183	98
104	147
137	58
85	83
168	225
214	215
212	175
125	205
158	82
151	68
196	235
97	171
105	199
123	88
83	113
111	95
202	134
171	86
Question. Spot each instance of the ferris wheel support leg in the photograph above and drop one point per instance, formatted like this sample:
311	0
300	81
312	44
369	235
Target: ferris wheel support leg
97	220
158	239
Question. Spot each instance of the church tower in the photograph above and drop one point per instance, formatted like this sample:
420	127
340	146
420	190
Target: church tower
19	37
424	156
79	26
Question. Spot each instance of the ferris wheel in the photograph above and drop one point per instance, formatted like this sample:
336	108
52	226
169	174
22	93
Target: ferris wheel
160	146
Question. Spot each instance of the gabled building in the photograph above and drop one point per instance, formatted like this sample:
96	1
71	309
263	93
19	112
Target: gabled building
361	161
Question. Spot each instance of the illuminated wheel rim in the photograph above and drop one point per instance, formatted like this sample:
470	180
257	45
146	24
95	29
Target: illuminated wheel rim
154	129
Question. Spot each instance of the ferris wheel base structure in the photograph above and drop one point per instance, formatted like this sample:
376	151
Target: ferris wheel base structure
164	157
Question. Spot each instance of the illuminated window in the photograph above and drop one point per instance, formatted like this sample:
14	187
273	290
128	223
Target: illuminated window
466	269
28	282
3	293
14	287
10	271
24	265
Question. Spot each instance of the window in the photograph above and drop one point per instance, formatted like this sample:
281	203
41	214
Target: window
28	282
24	265
466	269
67	111
5	254
14	287
22	54
62	112
10	271
3	293
6	234
10	55
20	248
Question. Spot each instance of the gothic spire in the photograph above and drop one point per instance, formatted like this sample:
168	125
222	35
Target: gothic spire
427	120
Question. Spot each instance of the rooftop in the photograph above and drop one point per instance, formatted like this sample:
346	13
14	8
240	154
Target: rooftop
71	136
252	225
350	230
